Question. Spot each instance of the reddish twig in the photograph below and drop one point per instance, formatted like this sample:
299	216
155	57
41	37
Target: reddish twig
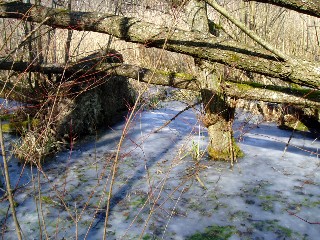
293	214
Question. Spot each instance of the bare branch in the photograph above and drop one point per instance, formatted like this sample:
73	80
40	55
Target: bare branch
310	7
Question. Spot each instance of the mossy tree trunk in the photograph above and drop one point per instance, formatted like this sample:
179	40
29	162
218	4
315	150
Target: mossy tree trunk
219	116
302	97
218	113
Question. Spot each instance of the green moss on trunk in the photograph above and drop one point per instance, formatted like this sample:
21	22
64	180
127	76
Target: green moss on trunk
222	145
218	119
225	154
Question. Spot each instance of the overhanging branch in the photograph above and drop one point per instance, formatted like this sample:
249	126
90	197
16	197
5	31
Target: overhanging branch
310	7
195	44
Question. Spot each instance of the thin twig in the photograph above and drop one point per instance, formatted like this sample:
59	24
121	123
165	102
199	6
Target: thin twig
10	196
36	201
293	214
40	206
169	121
288	143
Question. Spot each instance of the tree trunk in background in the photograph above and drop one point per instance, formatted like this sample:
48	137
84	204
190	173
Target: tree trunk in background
28	27
69	38
38	82
218	113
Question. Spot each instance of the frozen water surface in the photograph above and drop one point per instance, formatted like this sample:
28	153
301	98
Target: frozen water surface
162	192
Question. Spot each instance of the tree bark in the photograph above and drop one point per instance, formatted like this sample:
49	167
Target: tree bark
310	7
195	44
197	16
273	94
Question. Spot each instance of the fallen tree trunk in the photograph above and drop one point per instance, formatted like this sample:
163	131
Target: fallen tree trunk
195	44
248	91
310	7
157	77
